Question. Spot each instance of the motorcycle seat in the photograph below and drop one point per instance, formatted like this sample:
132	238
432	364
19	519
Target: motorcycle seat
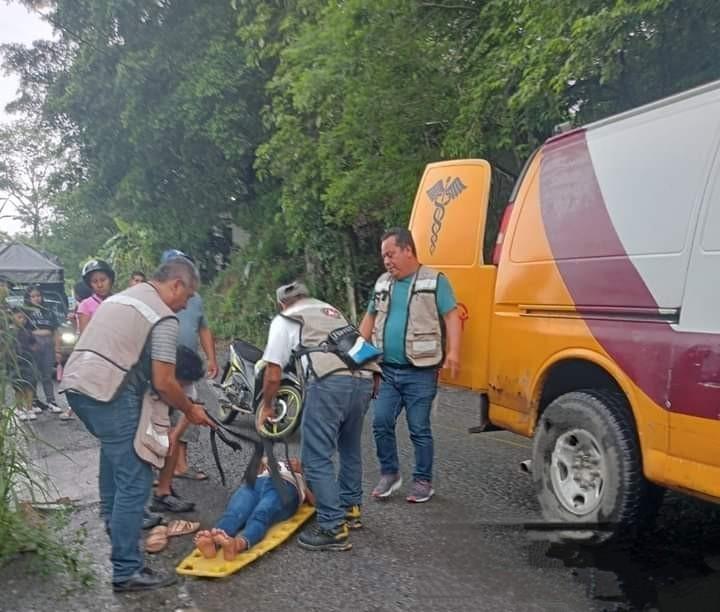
247	351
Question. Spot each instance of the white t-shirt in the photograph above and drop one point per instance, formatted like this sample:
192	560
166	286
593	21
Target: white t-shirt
296	480
283	337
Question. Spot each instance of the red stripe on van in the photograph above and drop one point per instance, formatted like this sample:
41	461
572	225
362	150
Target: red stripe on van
680	371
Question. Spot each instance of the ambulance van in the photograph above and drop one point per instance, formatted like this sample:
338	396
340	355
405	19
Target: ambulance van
595	329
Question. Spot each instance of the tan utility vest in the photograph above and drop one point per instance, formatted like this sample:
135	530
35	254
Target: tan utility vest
317	319
425	328
111	347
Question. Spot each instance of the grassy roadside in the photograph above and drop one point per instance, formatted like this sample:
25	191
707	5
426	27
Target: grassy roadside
25	529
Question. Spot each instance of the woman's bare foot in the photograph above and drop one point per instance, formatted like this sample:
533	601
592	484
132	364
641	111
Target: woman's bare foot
231	547
205	544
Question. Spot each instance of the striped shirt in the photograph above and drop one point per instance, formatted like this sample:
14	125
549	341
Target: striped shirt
164	341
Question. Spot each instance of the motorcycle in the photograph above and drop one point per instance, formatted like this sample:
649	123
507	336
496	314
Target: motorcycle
240	391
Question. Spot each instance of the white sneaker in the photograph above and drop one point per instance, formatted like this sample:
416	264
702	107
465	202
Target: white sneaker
31	416
36	409
54	408
21	415
67	415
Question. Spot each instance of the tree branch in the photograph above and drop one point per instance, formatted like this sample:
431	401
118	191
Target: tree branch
454	7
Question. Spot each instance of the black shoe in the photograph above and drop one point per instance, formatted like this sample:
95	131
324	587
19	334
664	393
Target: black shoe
151	520
144	580
170	503
317	538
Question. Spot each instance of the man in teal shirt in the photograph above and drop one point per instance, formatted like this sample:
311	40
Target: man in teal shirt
413	318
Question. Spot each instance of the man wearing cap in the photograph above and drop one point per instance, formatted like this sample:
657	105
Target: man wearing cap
129	344
336	400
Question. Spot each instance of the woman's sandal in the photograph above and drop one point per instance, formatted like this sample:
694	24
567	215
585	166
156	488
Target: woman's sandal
180	527
192	474
157	539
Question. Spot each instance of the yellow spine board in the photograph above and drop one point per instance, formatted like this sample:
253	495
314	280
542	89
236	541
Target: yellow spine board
197	565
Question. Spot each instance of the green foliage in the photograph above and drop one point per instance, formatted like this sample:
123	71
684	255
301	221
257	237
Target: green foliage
309	122
241	301
133	247
22	528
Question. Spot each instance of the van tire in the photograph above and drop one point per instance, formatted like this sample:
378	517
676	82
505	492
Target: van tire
620	499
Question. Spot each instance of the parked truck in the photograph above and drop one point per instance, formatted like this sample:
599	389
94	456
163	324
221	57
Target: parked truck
595	329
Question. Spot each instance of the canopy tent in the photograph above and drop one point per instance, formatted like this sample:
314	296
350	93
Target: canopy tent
22	264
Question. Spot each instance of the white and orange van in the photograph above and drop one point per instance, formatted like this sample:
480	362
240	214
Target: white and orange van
596	329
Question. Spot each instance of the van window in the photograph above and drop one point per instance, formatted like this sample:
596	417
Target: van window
501	189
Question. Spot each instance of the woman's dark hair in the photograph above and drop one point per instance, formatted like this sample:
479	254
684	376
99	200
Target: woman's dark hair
30	290
81	291
188	365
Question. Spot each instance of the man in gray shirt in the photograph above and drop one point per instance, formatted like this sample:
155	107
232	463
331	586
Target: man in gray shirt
193	331
106	392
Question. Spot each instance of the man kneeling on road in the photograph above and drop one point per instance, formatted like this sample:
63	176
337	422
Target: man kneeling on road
129	343
336	400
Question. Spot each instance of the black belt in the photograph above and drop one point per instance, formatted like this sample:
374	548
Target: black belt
262	446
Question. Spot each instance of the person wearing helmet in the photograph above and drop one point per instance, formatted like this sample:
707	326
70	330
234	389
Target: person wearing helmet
100	277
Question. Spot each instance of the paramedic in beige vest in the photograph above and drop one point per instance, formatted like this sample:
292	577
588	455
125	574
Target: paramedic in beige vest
336	400
130	341
413	318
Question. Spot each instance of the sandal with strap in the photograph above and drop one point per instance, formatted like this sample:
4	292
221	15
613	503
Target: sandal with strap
180	528
157	539
192	474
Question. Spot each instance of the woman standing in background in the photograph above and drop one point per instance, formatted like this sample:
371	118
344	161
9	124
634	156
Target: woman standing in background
43	324
100	277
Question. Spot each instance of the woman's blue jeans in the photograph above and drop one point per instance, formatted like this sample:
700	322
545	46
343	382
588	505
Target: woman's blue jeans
255	508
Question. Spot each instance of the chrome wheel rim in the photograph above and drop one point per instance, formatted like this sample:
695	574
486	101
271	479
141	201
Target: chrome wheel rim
578	471
287	406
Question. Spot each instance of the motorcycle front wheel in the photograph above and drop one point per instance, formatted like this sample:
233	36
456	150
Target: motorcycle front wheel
226	412
288	409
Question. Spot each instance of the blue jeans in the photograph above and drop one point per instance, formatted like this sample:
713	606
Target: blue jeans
333	418
254	509
414	389
125	479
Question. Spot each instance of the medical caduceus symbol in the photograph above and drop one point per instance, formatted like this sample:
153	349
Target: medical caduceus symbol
441	194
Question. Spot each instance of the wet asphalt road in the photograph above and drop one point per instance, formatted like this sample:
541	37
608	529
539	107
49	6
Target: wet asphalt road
465	550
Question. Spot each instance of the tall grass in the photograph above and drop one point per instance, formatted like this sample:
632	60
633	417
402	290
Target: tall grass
24	529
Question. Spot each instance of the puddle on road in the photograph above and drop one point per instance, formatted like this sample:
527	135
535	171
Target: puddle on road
674	567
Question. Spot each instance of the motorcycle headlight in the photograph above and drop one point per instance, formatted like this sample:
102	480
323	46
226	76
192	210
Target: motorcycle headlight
67	338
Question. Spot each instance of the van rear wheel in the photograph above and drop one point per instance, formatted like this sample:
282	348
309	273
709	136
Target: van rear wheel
587	468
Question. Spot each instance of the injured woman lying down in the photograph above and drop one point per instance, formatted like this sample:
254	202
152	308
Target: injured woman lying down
253	509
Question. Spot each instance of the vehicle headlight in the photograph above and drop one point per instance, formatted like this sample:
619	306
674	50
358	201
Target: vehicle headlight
67	337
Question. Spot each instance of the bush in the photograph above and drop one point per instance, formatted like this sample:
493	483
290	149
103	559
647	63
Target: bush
23	529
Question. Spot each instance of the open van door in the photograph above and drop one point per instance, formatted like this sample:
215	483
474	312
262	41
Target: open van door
448	225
